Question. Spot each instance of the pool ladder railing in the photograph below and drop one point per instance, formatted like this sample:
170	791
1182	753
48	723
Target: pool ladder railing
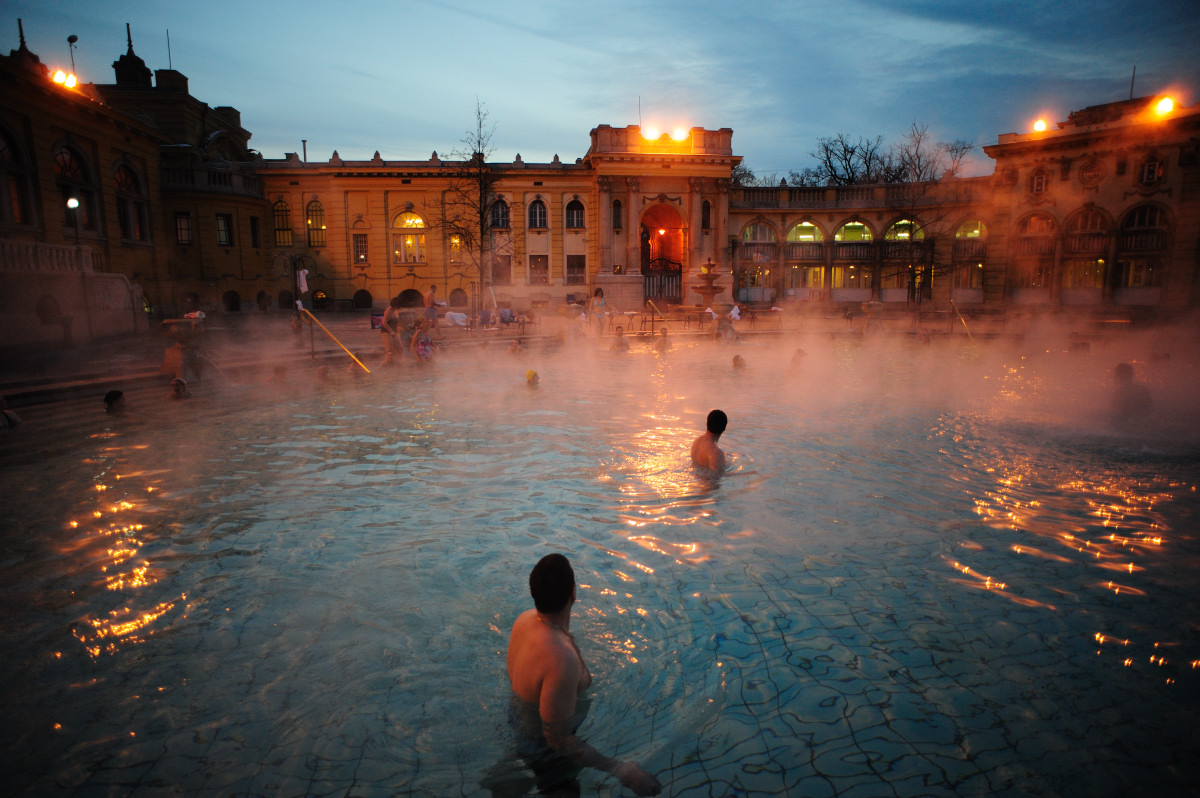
314	322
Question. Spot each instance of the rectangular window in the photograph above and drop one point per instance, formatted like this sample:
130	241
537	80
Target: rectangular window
183	228
502	270
576	270
255	238
224	230
360	248
968	275
539	269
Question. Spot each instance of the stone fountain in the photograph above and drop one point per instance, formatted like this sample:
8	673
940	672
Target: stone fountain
708	274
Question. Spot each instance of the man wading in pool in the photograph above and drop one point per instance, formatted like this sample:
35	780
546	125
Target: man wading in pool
547	673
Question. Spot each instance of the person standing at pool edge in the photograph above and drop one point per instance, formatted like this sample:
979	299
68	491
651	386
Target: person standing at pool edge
705	451
547	671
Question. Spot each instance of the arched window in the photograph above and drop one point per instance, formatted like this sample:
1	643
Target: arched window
1088	220
132	207
1034	251
537	214
283	223
1038	224
75	181
574	215
618	215
14	184
500	215
805	233
853	231
971	229
758	233
314	219
1140	247
408	246
904	230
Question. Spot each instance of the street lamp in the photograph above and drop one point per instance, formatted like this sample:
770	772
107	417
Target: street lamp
71	45
73	207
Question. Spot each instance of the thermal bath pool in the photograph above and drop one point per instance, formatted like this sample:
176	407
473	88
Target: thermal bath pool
928	572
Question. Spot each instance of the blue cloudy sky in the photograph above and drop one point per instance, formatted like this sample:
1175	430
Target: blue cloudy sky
403	78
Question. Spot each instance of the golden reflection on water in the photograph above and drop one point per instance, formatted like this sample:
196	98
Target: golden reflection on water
1027	497
115	533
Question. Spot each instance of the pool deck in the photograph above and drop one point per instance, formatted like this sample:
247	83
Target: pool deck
247	342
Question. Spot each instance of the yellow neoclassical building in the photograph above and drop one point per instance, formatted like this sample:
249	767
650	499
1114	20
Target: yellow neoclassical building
1096	215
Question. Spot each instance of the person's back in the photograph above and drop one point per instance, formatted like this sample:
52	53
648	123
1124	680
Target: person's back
705	451
547	671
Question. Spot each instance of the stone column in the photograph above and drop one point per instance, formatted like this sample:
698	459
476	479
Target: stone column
633	233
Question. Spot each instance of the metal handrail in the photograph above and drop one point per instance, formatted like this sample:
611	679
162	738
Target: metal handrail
306	314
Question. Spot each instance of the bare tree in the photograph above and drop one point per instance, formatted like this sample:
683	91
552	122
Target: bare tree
843	162
468	199
919	159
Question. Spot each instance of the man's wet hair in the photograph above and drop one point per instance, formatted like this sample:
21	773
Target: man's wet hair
717	421
111	398
550	583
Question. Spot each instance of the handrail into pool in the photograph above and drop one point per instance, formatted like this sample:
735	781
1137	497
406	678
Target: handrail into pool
304	313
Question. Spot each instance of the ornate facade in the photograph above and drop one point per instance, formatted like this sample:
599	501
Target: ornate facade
1099	215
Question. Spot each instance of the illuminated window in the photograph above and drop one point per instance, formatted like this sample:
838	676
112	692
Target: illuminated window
132	211
408	246
574	215
224	230
1037	224
805	233
500	215
853	231
537	214
904	230
455	248
74	179
1083	273
968	275
973	228
539	269
359	241
576	270
283	224
183	228
314	218
14	184
502	270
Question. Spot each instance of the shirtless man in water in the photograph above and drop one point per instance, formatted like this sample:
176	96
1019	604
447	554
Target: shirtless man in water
548	672
705	451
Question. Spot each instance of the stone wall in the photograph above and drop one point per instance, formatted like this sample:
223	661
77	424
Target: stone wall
52	295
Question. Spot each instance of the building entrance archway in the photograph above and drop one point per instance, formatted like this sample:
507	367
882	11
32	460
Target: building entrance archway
663	244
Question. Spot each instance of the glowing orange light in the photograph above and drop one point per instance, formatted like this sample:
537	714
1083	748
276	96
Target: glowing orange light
662	232
1040	126
64	79
1165	106
679	134
650	133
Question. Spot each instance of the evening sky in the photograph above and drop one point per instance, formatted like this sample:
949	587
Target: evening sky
403	78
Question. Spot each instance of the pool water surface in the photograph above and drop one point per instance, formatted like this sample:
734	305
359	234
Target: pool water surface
928	571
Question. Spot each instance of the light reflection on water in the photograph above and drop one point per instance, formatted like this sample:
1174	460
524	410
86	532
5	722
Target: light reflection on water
892	584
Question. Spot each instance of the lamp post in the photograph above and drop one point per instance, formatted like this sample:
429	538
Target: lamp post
71	45
73	207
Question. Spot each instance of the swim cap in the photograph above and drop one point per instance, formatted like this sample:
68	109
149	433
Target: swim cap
530	375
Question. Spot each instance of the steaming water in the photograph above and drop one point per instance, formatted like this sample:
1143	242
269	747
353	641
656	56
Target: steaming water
932	573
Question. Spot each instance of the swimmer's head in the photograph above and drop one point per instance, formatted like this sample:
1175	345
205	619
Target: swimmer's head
1123	374
551	583
739	362
114	401
717	421
179	387
531	377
